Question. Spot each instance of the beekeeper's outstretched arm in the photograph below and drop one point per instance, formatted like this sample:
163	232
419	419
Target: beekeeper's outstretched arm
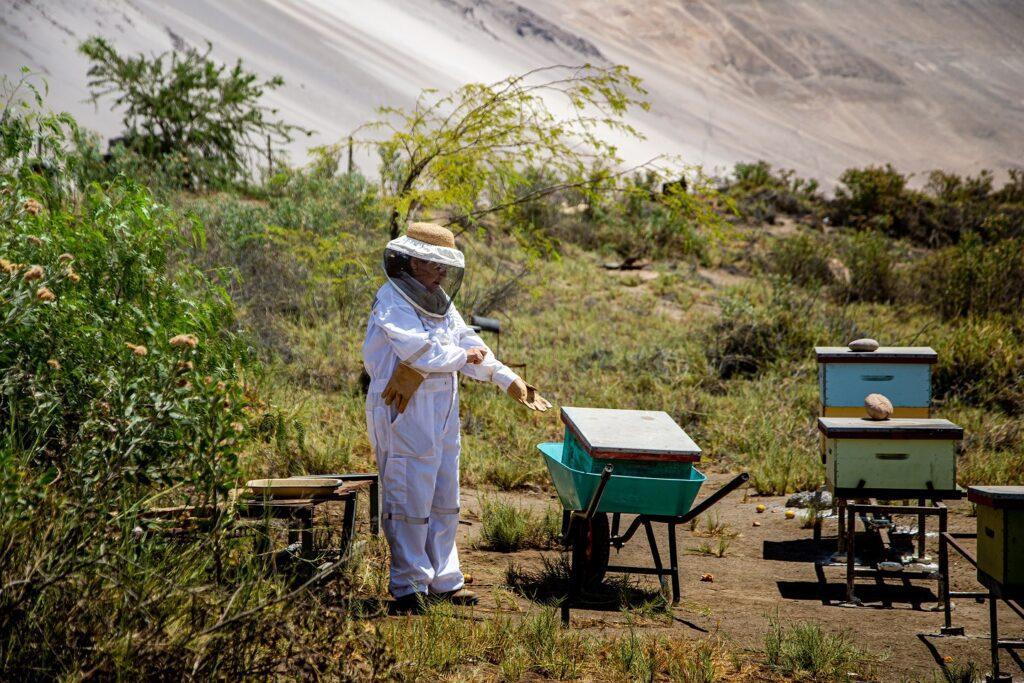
493	370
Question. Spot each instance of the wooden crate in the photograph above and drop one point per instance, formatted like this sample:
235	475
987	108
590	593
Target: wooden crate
1000	535
902	374
893	458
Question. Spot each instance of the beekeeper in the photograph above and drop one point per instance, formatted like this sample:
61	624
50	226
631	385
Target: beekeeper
415	343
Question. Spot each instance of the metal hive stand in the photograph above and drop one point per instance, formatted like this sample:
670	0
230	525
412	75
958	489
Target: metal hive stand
865	505
993	594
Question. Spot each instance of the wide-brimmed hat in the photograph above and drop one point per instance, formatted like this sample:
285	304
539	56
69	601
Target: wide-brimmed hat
431	233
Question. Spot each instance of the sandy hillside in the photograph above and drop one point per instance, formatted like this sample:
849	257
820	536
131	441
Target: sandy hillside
811	85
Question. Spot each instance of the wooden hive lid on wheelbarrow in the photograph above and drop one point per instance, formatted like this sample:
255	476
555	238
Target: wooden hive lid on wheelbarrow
638	435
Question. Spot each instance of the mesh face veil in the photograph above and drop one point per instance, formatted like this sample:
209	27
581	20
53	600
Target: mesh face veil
427	275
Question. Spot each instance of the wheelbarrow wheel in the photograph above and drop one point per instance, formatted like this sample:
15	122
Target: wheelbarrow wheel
590	549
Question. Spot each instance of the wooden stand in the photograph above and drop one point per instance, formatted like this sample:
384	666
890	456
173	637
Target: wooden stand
299	515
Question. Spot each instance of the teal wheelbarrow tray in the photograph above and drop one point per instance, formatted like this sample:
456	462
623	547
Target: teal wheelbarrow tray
589	490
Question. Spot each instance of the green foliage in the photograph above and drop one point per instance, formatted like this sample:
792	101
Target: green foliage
643	216
120	387
758	328
304	252
805	649
477	145
869	258
762	193
981	362
972	278
803	258
200	121
948	209
507	528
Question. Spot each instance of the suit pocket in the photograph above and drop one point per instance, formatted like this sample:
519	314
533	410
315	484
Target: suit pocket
411	435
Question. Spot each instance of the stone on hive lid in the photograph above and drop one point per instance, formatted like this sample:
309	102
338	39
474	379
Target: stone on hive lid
878	407
863	345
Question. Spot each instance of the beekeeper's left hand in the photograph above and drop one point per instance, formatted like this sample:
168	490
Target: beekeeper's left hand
528	395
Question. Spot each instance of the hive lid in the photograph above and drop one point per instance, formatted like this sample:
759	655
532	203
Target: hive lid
1006	497
630	434
893	428
884	354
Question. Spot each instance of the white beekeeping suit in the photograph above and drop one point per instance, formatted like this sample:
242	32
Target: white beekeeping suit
415	343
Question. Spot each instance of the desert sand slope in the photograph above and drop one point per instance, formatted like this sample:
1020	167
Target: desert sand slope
813	85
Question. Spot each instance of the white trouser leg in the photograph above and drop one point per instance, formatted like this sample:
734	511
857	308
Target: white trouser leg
444	516
406	525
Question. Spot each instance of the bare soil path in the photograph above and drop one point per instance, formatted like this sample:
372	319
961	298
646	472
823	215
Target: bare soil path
768	570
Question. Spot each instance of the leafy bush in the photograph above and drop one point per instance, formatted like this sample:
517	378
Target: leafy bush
802	258
949	208
200	120
972	278
762	193
120	388
981	362
758	328
869	259
308	250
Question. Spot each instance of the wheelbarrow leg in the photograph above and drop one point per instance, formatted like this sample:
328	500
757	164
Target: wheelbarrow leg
674	562
616	517
654	553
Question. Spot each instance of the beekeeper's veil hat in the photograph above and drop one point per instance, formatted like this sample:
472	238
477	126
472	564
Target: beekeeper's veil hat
425	267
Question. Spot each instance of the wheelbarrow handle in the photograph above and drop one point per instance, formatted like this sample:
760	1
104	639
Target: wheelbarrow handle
595	499
588	512
718	495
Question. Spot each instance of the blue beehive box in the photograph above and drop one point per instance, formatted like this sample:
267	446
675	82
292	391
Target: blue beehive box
901	373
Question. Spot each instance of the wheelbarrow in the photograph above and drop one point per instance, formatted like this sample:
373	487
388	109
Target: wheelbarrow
619	462
658	494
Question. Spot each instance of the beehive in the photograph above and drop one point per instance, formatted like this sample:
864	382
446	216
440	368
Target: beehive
890	458
637	442
901	373
1000	535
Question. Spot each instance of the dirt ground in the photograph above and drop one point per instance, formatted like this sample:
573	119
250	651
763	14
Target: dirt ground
770	569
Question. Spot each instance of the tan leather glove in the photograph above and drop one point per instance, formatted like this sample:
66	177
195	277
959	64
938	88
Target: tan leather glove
403	384
527	395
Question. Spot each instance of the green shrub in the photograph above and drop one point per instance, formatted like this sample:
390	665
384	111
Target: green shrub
507	528
869	258
972	278
877	198
201	121
981	362
120	390
802	258
762	193
758	328
805	649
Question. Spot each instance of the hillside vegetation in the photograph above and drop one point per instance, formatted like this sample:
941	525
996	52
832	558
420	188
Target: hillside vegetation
161	345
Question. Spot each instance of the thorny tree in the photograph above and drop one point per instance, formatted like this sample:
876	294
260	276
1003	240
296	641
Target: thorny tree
471	152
